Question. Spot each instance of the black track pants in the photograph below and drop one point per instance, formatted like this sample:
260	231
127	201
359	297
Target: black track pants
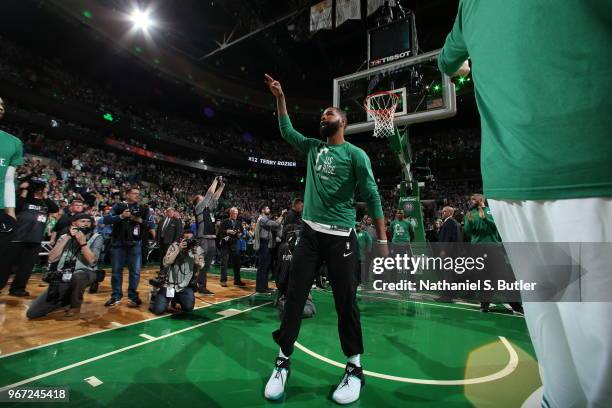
340	254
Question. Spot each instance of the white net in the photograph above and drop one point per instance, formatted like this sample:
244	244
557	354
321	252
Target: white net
381	106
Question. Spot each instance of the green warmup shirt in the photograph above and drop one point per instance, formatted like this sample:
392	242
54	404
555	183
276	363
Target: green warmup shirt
364	244
11	154
400	231
479	229
333	173
542	80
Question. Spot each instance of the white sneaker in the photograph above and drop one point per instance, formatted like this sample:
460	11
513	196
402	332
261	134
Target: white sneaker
349	388
275	388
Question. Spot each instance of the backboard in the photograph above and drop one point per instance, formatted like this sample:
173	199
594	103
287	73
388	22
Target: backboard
425	93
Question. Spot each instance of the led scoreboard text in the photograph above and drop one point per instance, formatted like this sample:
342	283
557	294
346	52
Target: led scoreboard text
272	162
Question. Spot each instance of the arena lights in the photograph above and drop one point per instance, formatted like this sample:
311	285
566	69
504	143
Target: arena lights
141	19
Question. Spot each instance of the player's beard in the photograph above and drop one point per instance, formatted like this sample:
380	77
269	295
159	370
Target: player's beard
328	128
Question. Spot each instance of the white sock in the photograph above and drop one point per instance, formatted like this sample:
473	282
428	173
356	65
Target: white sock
356	359
280	354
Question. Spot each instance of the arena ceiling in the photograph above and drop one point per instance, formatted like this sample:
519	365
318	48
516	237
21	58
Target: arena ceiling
185	42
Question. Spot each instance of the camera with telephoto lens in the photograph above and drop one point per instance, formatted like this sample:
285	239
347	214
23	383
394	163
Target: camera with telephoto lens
157	284
191	243
135	212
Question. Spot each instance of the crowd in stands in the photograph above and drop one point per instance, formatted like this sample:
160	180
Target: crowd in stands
26	69
21	67
99	176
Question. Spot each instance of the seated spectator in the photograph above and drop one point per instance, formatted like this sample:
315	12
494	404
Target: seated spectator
76	254
177	278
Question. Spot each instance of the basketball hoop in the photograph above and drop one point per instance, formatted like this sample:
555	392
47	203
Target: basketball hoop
381	106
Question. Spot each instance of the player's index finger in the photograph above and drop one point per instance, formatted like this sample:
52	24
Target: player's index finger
269	78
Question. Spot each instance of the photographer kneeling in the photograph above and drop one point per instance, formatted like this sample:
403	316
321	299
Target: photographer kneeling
72	269
177	278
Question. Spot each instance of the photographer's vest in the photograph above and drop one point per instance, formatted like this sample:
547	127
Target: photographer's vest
183	270
31	221
72	253
127	230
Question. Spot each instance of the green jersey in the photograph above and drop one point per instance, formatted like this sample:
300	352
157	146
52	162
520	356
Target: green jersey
542	81
400	231
364	244
333	173
481	229
11	154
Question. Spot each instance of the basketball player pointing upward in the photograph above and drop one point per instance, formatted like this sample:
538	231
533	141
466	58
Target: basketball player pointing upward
335	169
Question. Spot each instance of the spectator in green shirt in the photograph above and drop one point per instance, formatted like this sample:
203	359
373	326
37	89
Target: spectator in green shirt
478	222
401	229
480	227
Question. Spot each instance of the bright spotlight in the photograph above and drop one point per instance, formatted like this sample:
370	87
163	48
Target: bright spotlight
141	19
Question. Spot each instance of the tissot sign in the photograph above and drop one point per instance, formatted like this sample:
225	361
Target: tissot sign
391	58
272	162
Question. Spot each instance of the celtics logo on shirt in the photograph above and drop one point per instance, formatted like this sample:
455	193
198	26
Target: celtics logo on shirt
324	165
399	229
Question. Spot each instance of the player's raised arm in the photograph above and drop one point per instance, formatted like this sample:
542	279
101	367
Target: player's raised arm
292	136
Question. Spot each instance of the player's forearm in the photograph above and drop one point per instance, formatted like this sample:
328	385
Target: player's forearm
374	205
10	211
372	197
381	234
281	106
